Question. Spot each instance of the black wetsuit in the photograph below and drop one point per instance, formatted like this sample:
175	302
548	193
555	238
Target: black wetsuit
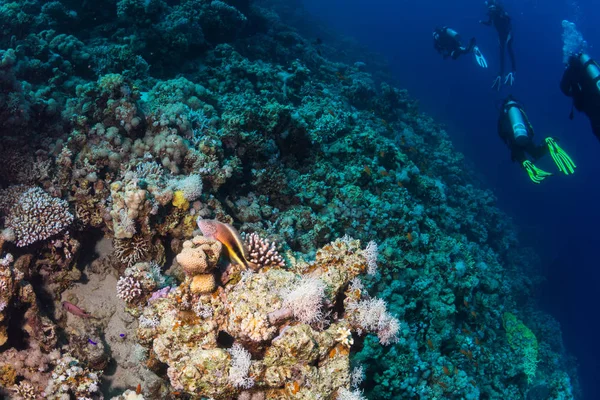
518	152
576	83
447	42
501	21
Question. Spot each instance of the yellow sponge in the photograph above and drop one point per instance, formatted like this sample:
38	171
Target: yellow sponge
203	283
179	200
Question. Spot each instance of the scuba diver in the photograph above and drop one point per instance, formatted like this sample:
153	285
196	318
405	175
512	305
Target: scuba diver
581	81
447	42
501	21
516	131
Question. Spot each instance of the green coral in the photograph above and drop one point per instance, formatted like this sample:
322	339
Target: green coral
523	341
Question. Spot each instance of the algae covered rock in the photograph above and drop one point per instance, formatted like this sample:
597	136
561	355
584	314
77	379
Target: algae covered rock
272	332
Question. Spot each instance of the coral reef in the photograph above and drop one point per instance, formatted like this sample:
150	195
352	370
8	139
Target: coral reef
288	341
180	186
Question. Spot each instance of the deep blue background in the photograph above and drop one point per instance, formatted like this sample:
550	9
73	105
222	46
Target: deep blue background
560	217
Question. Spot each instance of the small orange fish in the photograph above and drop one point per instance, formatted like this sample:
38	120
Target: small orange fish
468	354
138	389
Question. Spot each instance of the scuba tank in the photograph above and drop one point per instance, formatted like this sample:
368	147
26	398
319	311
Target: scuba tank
591	69
517	122
452	33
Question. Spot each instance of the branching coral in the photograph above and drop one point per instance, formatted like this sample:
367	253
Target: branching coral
137	283
131	251
25	391
69	378
262	252
128	289
37	216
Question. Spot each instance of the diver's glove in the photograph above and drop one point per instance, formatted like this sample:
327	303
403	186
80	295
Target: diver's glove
562	160
479	58
510	78
535	174
497	83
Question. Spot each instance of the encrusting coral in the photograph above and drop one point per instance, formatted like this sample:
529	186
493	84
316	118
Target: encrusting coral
303	353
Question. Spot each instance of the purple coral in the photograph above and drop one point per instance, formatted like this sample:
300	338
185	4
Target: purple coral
159	294
37	216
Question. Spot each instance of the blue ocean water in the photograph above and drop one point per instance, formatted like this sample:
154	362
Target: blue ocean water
560	217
